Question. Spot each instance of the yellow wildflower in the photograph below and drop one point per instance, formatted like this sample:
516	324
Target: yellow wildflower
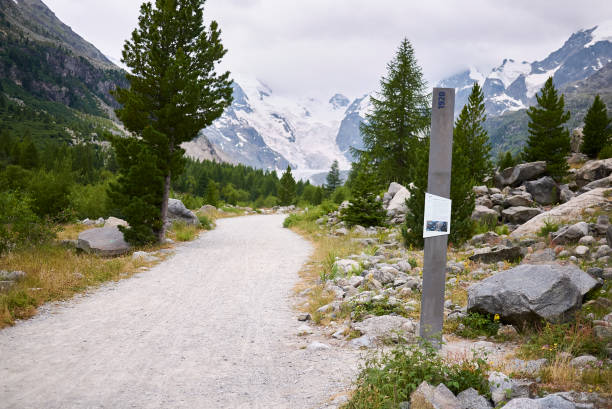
496	318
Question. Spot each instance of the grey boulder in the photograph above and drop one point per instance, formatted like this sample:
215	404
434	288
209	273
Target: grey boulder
520	173
177	212
593	170
503	388
528	293
570	234
470	399
103	241
549	402
544	191
609	235
426	396
518	200
520	214
485	215
498	253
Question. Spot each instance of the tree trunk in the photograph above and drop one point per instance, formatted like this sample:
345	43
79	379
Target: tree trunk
164	207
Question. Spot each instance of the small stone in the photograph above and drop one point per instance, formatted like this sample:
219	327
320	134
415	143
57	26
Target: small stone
586	240
362	342
470	399
304	330
582	251
317	346
507	331
583	361
304	317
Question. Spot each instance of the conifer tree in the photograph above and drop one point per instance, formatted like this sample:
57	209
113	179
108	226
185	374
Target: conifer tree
505	160
364	209
174	88
548	139
286	191
212	193
333	178
412	230
471	136
597	132
400	116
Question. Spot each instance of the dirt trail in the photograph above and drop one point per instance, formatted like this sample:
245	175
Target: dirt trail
210	327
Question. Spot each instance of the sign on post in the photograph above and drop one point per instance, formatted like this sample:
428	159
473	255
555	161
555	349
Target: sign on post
437	208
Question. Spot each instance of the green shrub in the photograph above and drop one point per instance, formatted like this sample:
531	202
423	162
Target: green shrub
19	225
606	152
205	222
477	324
90	201
390	378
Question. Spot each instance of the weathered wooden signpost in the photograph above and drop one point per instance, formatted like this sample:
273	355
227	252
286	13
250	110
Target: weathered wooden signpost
437	214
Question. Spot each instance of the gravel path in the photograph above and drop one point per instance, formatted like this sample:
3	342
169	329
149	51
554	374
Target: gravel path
210	327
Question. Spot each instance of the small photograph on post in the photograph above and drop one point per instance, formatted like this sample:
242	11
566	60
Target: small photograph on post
434	225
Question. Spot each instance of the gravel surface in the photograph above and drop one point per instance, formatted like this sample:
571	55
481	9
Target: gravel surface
211	327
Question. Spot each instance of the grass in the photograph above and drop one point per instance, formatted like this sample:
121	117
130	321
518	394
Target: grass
321	266
182	231
377	308
55	273
575	338
549	227
561	376
476	325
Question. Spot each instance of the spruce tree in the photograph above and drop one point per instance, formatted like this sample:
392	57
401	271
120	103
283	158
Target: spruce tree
174	88
400	116
596	129
471	136
412	230
505	160
212	193
286	191
138	192
548	139
471	164
333	178
364	209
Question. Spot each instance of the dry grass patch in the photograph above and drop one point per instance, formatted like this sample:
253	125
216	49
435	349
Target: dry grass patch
56	273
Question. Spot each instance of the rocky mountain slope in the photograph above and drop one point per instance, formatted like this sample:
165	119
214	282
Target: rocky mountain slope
513	85
266	130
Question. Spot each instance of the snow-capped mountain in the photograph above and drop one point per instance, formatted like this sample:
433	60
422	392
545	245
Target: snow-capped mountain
268	131
513	85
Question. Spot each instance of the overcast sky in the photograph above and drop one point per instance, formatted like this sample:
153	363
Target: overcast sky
303	48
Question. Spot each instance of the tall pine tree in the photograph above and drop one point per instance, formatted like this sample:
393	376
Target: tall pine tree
548	139
286	191
400	116
333	180
174	90
597	132
471	166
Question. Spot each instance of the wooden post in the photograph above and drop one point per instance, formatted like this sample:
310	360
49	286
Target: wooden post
438	183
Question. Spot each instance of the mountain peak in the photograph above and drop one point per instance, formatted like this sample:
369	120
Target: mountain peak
339	101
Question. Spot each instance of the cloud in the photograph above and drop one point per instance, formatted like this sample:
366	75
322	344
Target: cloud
320	47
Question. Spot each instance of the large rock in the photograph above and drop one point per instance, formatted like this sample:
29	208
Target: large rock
113	221
503	388
520	214
527	293
498	253
386	326
605	182
566	212
593	170
104	241
470	399
397	205
177	212
570	234
549	402
428	397
346	266
518	200
485	215
519	174
544	191
609	235
394	187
